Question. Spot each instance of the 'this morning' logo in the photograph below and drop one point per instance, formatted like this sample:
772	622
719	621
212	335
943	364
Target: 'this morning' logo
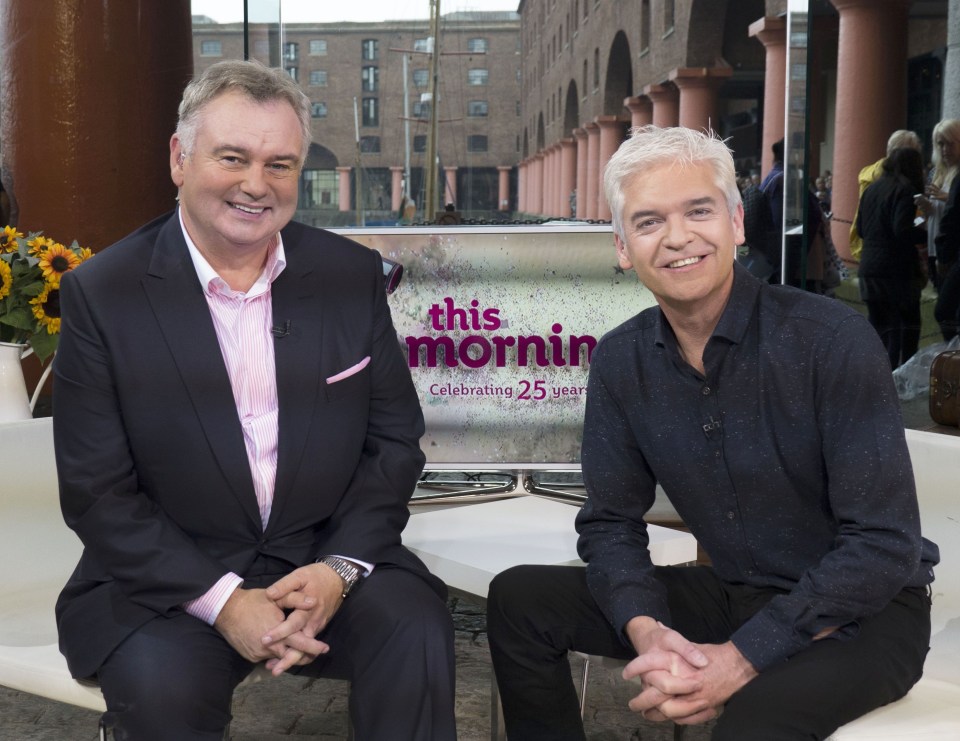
479	350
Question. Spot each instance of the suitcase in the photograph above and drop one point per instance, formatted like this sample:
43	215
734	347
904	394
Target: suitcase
945	388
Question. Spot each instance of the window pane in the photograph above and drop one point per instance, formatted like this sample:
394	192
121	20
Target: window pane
318	77
370	49
421	77
370	144
318	110
371	113
210	49
371	77
477	108
477	143
318	47
477	46
477	76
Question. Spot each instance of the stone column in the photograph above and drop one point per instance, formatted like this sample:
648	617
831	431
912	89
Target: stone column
450	187
522	187
611	136
343	180
90	94
666	104
580	136
396	187
772	33
536	185
698	95
593	168
871	97
548	181
568	175
503	188
556	201
641	110
951	72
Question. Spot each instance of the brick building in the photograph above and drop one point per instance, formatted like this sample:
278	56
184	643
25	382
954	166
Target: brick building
339	63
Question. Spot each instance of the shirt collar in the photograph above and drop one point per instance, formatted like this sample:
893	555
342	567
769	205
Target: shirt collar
735	317
213	283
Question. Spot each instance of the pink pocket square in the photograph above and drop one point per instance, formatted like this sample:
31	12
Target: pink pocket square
349	371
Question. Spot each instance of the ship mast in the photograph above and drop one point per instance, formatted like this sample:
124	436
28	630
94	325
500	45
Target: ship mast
430	203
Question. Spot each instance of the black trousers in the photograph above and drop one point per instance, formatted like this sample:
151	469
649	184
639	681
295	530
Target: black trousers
536	614
947	309
392	638
898	324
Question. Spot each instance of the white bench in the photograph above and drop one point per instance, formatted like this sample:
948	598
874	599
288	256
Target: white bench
931	711
42	552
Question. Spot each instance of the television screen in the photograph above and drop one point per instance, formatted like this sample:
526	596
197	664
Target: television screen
498	326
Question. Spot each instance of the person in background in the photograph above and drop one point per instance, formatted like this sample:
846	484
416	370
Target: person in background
237	438
946	162
754	407
947	309
891	276
898	139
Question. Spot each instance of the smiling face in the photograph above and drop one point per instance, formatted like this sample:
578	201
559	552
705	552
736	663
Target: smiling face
680	237
238	187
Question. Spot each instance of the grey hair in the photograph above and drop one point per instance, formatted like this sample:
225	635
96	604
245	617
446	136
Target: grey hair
948	128
903	139
651	146
259	83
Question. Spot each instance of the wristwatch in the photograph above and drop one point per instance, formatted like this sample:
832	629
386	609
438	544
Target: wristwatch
349	572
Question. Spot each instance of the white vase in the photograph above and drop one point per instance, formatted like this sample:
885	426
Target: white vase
14	402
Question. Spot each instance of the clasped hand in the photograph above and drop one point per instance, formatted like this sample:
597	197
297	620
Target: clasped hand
682	681
254	623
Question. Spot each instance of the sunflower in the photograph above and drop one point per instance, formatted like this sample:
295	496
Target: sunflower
8	239
46	308
6	279
38	244
57	260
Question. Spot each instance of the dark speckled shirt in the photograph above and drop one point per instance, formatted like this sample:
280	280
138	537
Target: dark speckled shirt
787	461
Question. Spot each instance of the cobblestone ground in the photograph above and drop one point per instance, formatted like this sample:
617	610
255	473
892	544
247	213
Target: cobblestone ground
316	710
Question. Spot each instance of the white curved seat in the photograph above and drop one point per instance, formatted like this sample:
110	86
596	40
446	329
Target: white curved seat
931	710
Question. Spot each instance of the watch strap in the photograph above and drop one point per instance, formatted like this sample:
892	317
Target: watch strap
347	571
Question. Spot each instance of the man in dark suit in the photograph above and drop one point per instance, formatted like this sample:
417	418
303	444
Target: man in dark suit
769	418
237	439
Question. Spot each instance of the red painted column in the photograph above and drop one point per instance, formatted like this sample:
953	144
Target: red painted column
611	136
641	110
536	183
556	200
698	95
593	168
396	187
450	187
871	97
580	136
522	187
548	181
343	180
90	102
772	33
666	104
503	189
568	175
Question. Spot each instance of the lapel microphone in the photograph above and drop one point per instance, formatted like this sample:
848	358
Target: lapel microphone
281	331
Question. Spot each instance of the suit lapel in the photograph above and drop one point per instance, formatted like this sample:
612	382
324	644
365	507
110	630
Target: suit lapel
177	300
297	298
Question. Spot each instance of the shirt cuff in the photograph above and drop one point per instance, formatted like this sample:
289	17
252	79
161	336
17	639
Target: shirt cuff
367	567
207	606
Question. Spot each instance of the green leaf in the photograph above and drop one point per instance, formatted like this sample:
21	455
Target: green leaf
44	345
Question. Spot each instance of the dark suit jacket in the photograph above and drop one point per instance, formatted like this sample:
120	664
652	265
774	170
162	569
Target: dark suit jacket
154	476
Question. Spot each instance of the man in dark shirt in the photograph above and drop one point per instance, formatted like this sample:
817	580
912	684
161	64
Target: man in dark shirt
770	419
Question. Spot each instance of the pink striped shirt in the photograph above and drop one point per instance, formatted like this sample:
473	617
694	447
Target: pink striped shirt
243	322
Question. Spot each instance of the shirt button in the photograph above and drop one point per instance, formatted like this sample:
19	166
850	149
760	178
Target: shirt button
705	391
730	515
